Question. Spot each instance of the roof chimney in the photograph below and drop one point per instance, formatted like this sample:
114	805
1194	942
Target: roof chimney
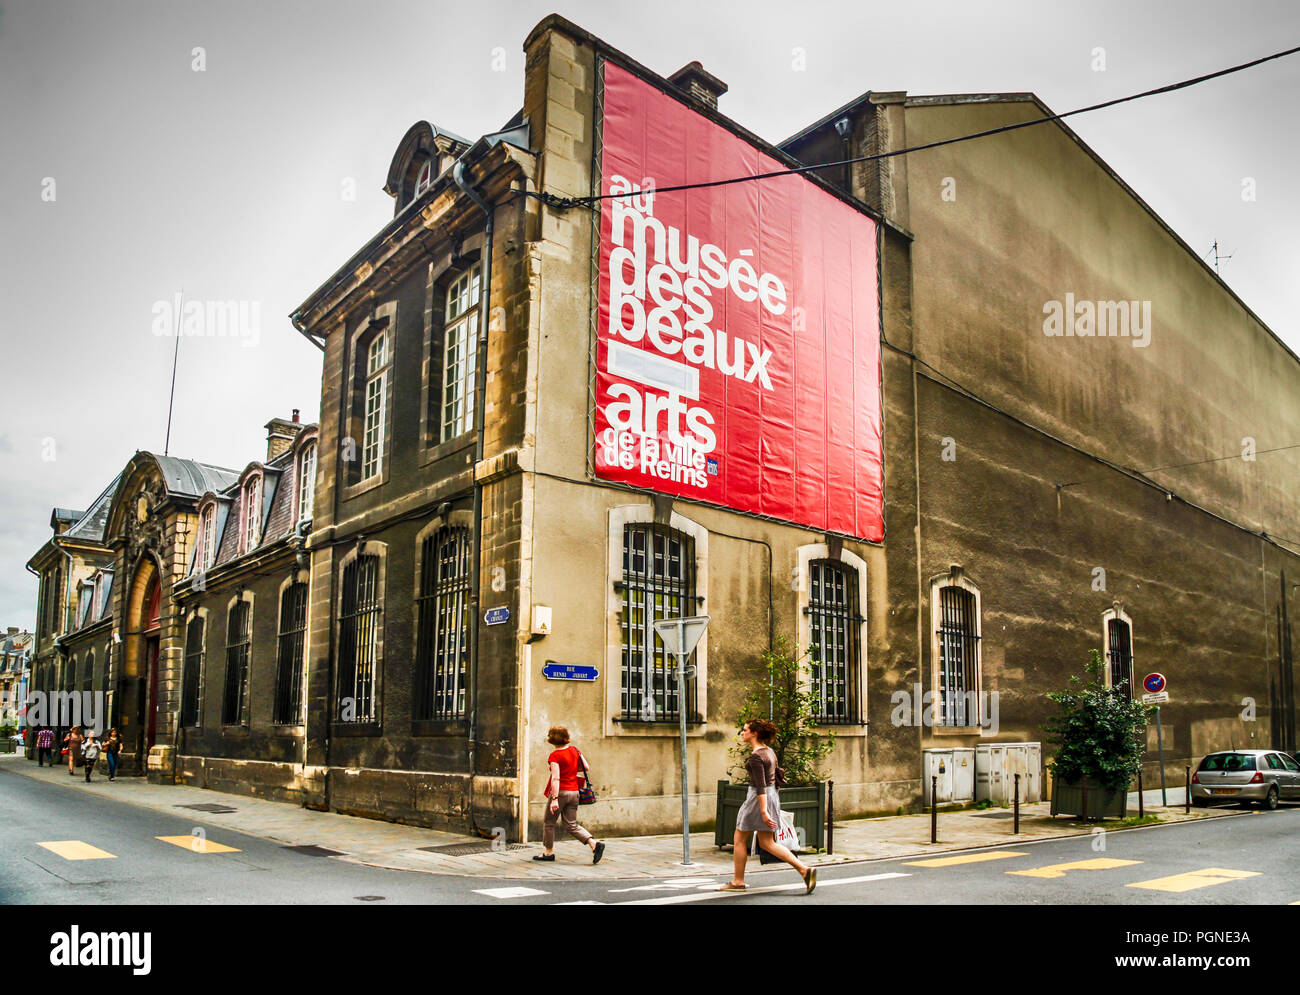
693	80
280	433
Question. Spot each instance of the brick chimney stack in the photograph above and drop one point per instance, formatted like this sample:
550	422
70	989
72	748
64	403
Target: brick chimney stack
695	81
280	433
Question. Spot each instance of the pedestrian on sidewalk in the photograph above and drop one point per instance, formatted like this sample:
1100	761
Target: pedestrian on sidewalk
72	746
112	747
44	746
90	752
761	811
562	794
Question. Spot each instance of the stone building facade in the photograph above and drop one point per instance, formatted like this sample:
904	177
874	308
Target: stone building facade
382	652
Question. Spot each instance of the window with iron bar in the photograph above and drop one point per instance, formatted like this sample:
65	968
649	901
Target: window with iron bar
289	654
442	625
658	582
958	655
1121	654
191	693
359	624
233	703
834	625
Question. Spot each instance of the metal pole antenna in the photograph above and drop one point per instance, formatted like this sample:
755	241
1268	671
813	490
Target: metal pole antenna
176	351
681	712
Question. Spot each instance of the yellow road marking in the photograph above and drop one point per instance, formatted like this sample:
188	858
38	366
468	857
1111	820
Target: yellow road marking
969	858
1194	879
76	850
1058	870
198	844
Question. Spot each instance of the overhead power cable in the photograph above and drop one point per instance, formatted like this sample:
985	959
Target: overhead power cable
567	202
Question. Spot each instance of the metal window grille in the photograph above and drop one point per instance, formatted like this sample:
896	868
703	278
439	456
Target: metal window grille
658	582
359	640
443	620
193	672
460	355
834	620
1121	654
958	654
88	673
289	654
237	648
372	452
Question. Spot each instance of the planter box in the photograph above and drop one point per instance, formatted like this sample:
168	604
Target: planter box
806	804
1067	799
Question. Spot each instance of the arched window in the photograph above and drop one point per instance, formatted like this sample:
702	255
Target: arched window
191	694
424	178
88	672
460	355
372	437
834	624
234	710
208	537
442	620
289	655
1117	648
306	482
955	614
360	622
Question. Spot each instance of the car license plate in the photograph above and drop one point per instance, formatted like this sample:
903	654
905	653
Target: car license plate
1223	791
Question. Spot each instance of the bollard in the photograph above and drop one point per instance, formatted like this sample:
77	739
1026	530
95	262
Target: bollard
1187	791
1015	808
934	808
1140	812
830	817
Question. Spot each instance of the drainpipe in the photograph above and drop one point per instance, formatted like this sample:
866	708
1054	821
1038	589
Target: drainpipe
480	387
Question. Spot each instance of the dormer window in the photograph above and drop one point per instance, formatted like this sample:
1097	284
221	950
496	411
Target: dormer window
424	178
252	513
96	597
84	600
306	482
208	537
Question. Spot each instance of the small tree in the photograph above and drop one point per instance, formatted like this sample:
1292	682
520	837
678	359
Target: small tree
1100	732
782	695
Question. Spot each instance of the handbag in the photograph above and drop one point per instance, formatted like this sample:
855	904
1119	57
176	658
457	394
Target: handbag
586	794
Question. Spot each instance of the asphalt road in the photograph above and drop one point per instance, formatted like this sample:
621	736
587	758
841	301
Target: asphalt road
1248	859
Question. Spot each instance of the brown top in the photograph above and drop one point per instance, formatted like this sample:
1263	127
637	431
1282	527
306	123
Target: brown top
761	766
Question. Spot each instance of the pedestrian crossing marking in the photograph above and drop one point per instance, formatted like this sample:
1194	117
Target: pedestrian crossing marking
76	850
708	896
967	858
1058	870
509	892
1194	879
197	844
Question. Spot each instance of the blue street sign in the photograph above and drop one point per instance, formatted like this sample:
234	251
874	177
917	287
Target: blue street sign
1155	683
569	672
495	616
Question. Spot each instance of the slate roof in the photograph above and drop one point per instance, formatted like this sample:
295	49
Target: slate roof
190	478
92	522
278	521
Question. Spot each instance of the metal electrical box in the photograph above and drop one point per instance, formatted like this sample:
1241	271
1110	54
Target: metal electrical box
955	769
996	765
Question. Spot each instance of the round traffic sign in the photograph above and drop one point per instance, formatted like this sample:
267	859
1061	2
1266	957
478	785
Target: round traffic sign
1154	683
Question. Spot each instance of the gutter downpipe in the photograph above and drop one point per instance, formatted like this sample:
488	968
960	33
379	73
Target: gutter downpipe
480	387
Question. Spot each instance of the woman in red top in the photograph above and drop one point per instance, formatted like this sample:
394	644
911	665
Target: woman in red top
562	790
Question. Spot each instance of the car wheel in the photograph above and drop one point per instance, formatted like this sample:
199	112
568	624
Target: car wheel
1270	801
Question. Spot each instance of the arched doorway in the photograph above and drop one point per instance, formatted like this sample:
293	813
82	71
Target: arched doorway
151	629
141	655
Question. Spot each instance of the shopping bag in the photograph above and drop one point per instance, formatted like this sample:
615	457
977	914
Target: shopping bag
787	835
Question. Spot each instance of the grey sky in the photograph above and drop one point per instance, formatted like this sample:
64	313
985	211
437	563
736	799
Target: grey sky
230	182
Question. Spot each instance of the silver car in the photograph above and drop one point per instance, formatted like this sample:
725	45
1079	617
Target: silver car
1263	776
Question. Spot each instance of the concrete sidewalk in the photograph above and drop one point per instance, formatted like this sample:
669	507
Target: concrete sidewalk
386	844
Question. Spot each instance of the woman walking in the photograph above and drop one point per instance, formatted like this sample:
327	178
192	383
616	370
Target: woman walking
90	753
761	811
112	747
72	744
562	791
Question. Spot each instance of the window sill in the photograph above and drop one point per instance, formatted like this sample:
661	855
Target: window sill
452	447
956	730
351	491
345	730
440	727
635	727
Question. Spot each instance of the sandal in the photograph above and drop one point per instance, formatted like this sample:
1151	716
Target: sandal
734	887
543	856
810	880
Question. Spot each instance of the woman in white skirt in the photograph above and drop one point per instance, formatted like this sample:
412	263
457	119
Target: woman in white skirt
761	811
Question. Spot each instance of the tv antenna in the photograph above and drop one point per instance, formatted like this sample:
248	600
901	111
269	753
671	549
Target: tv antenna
1214	250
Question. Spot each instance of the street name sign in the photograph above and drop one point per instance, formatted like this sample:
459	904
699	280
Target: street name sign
569	672
496	616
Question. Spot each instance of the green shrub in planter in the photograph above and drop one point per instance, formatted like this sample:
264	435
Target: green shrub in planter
1099	734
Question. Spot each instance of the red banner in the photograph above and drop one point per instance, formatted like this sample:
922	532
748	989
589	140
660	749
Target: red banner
738	339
